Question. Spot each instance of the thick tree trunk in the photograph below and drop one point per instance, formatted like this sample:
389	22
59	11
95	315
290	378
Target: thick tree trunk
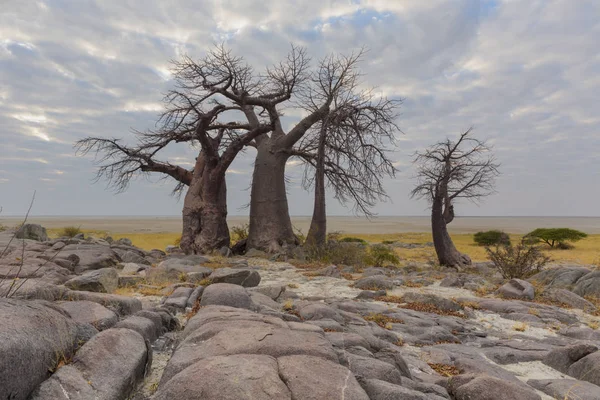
317	234
444	247
204	212
270	223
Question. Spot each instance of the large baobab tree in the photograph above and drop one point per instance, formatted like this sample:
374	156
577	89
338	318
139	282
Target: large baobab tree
451	170
270	223
347	151
219	105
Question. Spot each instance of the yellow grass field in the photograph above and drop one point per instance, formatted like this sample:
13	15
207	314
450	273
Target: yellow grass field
586	251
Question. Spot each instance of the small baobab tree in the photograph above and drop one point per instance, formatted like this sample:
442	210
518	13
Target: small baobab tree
451	170
219	105
348	152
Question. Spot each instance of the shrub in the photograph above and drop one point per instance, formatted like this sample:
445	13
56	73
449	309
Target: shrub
555	237
70	231
3	228
388	242
239	232
350	239
380	254
492	238
338	253
335	235
519	261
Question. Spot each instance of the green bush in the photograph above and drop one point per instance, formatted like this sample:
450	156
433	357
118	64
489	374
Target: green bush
519	261
69	231
492	238
380	255
555	237
338	253
350	239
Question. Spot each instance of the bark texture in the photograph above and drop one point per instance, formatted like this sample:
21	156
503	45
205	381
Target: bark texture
317	233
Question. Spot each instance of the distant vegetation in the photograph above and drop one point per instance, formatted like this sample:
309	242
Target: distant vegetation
491	238
555	237
351	239
381	255
69	231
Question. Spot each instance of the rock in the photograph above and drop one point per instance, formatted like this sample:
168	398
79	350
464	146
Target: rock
235	377
149	330
92	256
32	232
179	297
587	368
122	305
484	387
462	280
377	282
588	285
264	301
109	366
254	253
372	271
432	299
32	334
272	291
104	280
314	378
171	249
226	294
225	252
91	313
242	277
566	389
331	271
371	368
560	278
315	311
380	390
124	242
133	257
517	289
563	296
195	296
370	295
562	358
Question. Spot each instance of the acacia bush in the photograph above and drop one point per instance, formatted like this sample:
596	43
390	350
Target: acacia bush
69	231
521	261
555	237
492	238
338	253
350	239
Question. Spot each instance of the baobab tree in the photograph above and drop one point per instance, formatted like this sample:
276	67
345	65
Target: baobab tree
347	150
219	105
451	170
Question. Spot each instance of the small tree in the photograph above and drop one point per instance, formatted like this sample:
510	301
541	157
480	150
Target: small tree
448	171
519	261
556	237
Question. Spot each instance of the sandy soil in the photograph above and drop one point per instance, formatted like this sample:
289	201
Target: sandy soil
356	225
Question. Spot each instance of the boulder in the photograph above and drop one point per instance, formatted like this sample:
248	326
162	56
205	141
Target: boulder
149	329
91	256
124	242
273	291
34	337
195	296
234	377
104	280
588	285
517	289
227	294
91	313
134	257
109	366
562	358
587	368
376	282
130	268
314	378
484	387
122	305
431	299
566	389
564	296
560	278
179	297
242	277
380	390
32	232
371	368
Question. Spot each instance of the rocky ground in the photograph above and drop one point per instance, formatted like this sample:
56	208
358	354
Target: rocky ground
91	319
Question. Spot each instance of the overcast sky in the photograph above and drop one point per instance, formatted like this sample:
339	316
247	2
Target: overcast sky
525	74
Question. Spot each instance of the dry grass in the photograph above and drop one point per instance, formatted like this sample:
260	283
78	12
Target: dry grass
411	284
520	327
444	369
383	321
430	308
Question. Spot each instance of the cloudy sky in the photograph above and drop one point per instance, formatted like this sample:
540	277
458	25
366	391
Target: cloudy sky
525	74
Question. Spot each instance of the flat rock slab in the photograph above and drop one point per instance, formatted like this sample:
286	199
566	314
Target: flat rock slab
91	313
227	294
123	305
484	387
32	336
91	256
315	378
235	377
103	280
566	389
